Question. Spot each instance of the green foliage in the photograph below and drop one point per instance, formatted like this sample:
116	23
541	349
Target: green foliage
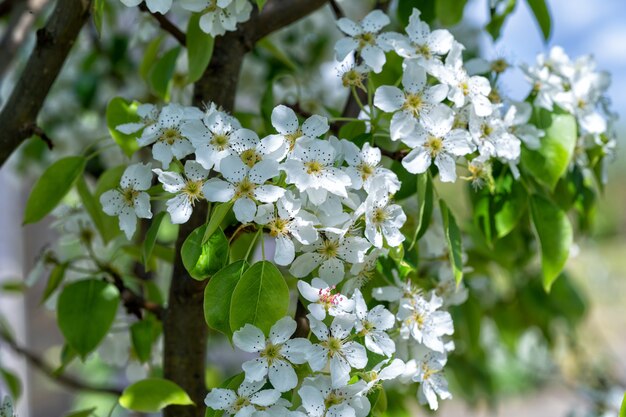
622	410
217	216
204	259
199	49
260	298
52	186
260	3
550	161
120	111
12	382
450	12
56	277
143	335
555	236
152	395
161	73
93	207
218	294
425	200
500	10
151	237
542	16
82	413
85	311
453	238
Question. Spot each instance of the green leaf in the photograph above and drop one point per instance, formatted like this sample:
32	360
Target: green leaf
152	395
217	216
55	279
555	236
622	410
150	239
12	382
542	16
548	163
150	54
52	186
277	53
162	72
260	4
85	311
204	259
425	206
500	11
92	206
143	334
261	297
199	49
512	209
450	12
82	413
218	294
120	111
453	237
97	12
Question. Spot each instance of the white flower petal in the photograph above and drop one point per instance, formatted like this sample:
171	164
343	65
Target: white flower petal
249	339
217	190
284	120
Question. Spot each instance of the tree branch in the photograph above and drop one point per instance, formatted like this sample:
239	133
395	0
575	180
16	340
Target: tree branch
54	42
166	25
184	330
65	380
133	302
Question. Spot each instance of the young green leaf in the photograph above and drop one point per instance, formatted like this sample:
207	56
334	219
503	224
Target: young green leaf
622	410
120	111
450	12
217	216
12	382
555	237
85	311
93	207
143	334
56	277
548	163
199	49
425	206
152	395
218	294
260	298
162	72
82	413
542	16
52	186
150	239
204	259
260	4
453	237
512	209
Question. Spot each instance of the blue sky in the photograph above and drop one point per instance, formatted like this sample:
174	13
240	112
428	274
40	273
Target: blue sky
596	27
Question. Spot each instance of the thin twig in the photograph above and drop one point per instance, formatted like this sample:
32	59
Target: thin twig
336	9
166	25
66	380
396	155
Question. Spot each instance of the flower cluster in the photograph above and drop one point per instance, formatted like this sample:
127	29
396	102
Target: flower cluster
577	87
329	205
218	16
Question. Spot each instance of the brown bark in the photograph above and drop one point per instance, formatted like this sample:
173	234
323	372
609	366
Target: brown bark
54	42
184	330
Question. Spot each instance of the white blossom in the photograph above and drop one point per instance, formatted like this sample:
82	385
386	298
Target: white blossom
245	401
276	354
432	382
423	44
130	200
244	186
155	6
423	321
373	325
285	221
324	300
188	189
418	103
334	349
219	16
320	398
363	37
286	123
166	136
212	137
